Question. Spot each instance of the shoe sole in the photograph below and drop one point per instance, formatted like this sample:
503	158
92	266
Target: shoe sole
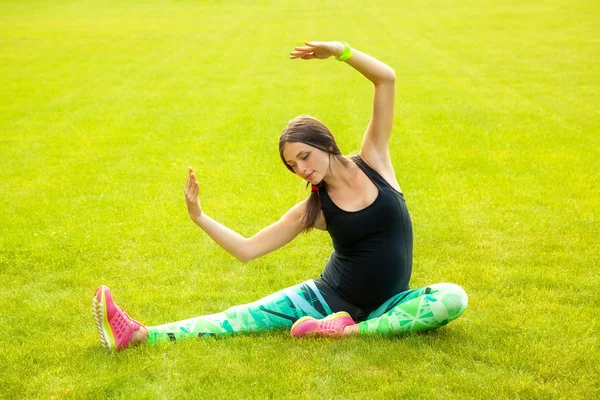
327	318
107	339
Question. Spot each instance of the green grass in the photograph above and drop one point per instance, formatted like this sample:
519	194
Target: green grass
496	145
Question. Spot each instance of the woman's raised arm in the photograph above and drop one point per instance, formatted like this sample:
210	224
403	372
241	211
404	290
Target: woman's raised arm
376	139
267	240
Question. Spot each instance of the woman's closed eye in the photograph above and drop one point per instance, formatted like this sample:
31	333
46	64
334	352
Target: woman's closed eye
303	158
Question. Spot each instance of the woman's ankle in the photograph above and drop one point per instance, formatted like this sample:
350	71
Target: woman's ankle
351	330
139	336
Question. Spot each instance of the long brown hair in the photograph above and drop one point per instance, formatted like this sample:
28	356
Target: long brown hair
310	131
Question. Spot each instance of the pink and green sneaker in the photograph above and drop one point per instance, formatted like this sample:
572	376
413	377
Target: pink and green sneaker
330	326
114	326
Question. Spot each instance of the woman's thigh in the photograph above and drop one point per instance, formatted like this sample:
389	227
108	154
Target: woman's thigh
283	307
278	310
454	297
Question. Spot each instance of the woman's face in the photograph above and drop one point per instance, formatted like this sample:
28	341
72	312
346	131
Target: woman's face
308	162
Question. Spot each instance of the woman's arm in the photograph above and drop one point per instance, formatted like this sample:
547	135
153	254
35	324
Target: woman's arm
267	240
373	69
376	139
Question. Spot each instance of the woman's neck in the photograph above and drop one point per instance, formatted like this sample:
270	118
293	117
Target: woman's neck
339	176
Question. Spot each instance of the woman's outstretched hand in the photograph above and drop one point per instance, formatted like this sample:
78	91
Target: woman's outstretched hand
192	191
320	50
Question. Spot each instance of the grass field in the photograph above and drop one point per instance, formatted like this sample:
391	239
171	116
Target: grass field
496	144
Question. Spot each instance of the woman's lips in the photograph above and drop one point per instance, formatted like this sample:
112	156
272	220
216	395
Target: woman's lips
311	174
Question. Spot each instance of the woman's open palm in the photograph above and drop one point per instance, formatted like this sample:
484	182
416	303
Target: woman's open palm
192	195
320	50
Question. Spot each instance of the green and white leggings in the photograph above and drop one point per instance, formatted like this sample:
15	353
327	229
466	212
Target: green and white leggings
414	310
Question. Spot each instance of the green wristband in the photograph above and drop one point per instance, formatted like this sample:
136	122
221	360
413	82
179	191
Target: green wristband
347	52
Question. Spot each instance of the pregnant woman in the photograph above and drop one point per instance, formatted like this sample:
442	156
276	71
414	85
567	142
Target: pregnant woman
364	287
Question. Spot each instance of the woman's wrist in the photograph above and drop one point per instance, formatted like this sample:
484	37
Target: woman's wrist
346	52
339	49
198	219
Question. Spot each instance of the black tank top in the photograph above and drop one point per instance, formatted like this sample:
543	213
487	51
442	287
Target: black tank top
372	257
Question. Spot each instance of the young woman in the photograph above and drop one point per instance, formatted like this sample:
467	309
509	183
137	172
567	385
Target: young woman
364	288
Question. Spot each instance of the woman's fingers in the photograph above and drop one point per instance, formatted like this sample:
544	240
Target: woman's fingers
298	53
303	55
310	50
192	199
193	184
188	184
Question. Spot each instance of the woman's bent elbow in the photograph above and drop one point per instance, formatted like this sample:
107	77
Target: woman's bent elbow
392	75
246	254
242	257
245	259
387	78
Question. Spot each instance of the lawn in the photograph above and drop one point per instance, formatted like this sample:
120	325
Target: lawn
496	144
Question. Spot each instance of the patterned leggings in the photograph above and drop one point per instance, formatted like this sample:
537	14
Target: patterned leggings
414	310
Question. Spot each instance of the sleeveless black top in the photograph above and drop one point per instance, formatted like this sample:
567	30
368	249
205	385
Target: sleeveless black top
372	257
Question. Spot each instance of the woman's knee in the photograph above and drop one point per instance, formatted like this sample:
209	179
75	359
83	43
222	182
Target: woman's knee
452	296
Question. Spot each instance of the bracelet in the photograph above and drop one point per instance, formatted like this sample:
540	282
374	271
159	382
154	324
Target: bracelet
347	52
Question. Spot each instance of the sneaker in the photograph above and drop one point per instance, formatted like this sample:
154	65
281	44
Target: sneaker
331	325
114	326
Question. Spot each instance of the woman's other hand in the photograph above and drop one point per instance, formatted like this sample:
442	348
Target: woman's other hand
320	50
192	191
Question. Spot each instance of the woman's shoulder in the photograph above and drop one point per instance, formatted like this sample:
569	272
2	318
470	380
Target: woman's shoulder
382	165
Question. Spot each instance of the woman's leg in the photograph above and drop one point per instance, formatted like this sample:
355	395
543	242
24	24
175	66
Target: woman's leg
415	310
278	310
